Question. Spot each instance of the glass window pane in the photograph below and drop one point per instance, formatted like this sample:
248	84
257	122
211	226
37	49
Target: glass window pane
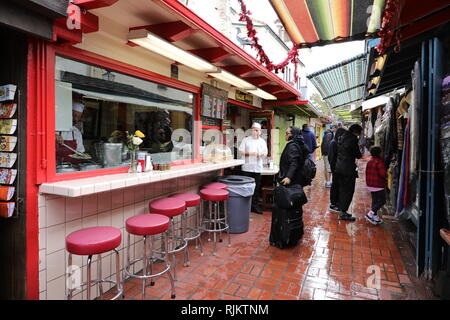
95	107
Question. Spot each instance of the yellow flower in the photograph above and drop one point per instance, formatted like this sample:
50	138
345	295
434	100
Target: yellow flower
139	134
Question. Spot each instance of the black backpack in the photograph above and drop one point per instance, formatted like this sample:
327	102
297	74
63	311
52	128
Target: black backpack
291	196
309	171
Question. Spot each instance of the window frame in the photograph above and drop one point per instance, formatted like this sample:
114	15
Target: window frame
48	109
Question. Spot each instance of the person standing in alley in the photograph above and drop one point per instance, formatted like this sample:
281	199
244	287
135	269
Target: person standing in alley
376	182
346	168
326	140
332	155
310	140
254	148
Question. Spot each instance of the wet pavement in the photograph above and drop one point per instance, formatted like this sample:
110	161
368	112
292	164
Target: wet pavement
335	260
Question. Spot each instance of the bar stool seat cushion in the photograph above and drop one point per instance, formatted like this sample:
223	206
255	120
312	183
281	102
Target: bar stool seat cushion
94	240
216	185
167	206
147	224
191	199
214	194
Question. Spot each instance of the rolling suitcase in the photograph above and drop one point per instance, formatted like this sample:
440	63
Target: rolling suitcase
287	226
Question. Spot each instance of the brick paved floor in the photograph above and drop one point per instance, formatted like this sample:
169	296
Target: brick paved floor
334	260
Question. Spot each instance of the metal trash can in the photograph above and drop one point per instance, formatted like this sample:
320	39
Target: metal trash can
241	189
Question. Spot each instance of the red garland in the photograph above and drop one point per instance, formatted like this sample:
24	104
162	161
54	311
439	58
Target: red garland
263	58
387	31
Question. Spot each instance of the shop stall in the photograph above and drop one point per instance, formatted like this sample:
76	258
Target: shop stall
407	128
88	88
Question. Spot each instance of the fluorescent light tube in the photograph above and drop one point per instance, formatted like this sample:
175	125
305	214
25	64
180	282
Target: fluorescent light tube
232	79
162	47
262	94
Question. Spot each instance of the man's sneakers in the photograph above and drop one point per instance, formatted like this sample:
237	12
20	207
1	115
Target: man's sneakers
346	216
373	218
334	208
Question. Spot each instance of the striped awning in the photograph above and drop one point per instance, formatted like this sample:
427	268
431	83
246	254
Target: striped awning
320	22
342	83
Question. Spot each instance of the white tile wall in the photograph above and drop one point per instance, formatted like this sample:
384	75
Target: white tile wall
59	216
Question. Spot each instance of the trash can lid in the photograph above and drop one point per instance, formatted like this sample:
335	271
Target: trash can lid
235	179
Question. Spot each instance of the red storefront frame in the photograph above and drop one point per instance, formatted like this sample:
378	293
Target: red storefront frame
49	174
41	160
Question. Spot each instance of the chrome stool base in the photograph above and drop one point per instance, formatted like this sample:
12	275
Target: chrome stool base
215	223
148	263
100	280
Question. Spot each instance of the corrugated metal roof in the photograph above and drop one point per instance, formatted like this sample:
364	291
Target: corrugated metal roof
342	83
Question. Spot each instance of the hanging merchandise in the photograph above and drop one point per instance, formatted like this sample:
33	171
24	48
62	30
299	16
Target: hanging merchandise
369	126
445	140
390	140
402	196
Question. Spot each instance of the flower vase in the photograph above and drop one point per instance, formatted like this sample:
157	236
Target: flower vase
133	162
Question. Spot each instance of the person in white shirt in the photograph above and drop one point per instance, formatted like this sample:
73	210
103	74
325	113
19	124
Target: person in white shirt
254	148
74	137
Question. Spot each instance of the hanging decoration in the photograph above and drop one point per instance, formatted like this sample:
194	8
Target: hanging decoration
261	55
388	31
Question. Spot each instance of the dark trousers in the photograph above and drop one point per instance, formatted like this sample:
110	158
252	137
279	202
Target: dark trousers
255	197
334	191
346	191
378	200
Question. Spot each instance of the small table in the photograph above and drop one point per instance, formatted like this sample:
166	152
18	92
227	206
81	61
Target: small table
267	186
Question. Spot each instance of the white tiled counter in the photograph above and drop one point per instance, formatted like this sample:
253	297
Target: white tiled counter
86	186
105	201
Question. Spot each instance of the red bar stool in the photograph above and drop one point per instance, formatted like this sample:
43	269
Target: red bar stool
215	223
95	241
148	225
171	208
216	185
192	200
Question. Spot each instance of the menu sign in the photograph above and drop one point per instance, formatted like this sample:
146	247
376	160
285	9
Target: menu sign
8	158
214	102
244	97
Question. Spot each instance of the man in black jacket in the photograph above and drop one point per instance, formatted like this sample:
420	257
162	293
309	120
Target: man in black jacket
332	155
346	169
326	140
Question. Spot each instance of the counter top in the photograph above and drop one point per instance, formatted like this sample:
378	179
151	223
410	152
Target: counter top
270	172
82	187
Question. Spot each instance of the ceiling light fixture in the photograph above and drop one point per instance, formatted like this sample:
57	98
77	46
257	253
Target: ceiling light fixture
231	79
262	94
162	47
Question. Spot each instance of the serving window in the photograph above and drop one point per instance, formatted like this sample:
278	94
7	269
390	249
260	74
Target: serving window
95	107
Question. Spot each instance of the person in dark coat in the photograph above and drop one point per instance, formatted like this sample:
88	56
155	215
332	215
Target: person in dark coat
346	169
328	136
310	140
332	155
293	158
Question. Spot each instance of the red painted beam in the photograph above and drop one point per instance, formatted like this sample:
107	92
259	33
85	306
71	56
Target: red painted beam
258	81
65	36
215	54
94	4
272	89
239	70
79	19
284	103
171	31
285	95
422	26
